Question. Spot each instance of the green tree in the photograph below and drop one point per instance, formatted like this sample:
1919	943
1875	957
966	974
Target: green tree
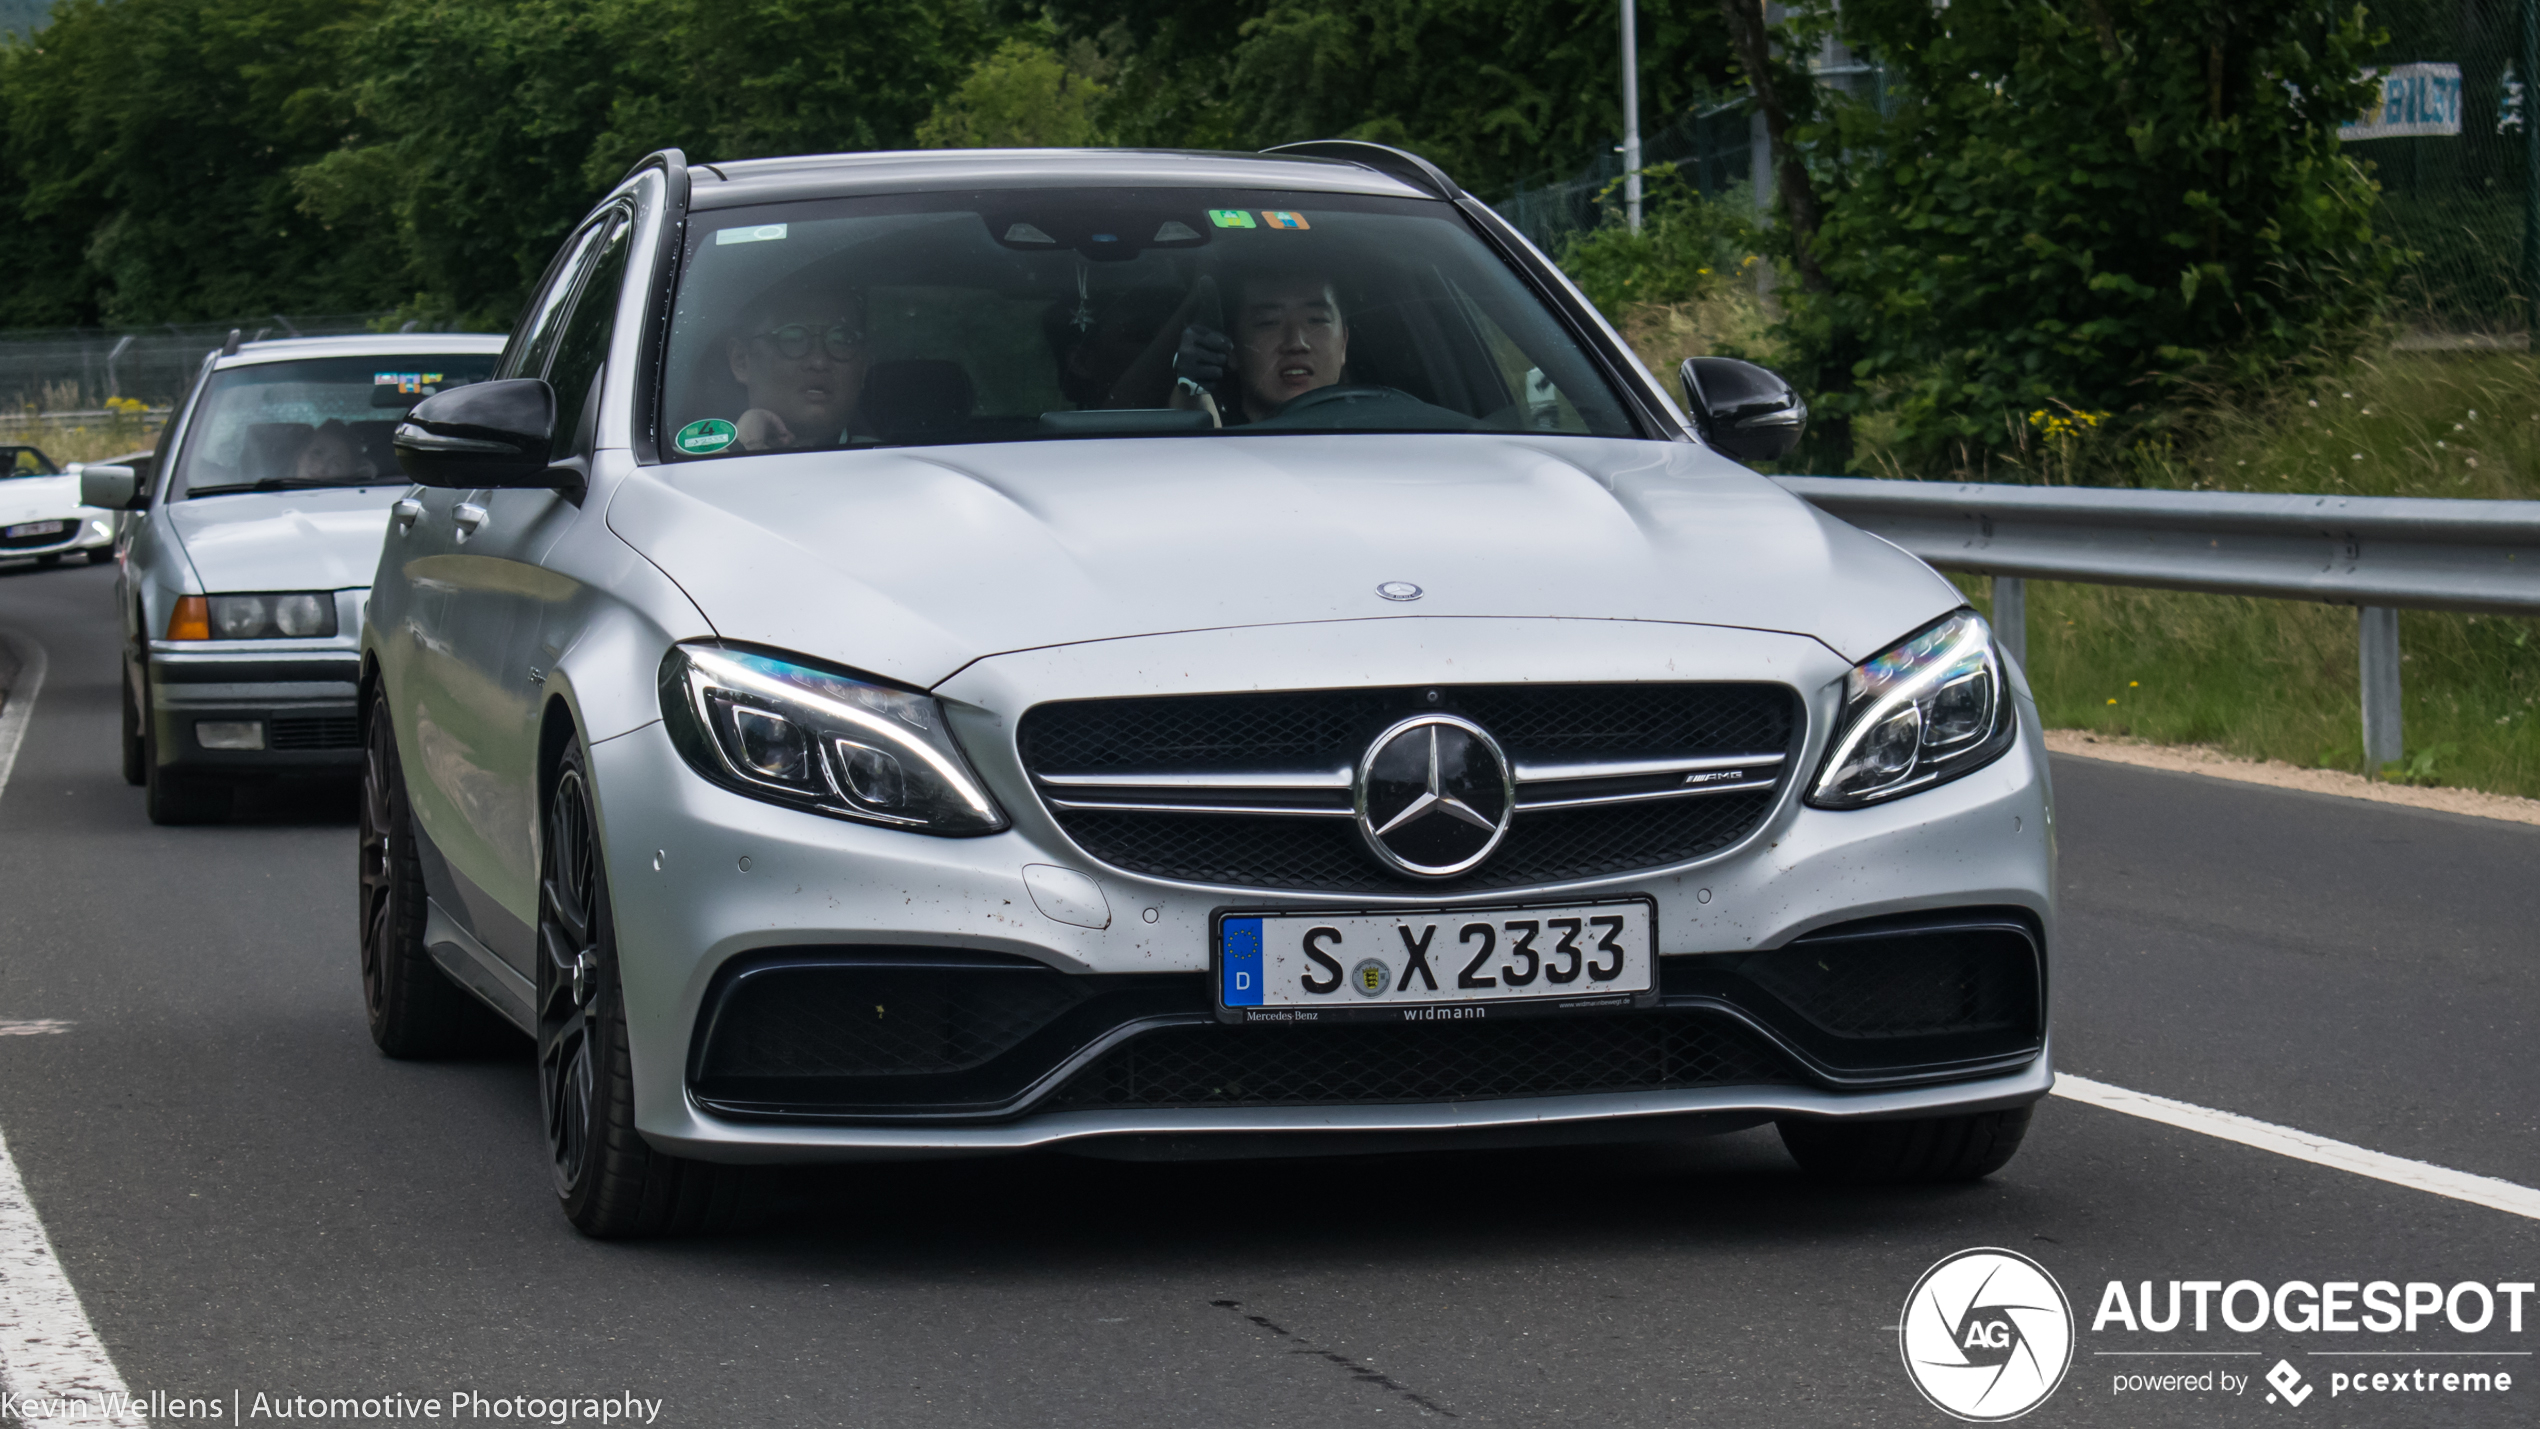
1492	90
1025	96
2084	205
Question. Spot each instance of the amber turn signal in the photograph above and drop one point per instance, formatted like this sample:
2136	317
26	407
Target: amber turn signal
191	620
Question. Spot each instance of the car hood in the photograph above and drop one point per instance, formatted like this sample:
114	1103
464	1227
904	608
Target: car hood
909	563
285	540
40	498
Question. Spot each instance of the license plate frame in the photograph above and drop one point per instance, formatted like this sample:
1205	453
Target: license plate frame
35	528
1443	961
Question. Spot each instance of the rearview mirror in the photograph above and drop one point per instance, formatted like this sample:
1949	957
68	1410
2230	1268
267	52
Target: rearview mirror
1742	410
490	434
110	488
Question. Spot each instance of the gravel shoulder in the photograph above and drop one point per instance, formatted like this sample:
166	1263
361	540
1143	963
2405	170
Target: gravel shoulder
2275	773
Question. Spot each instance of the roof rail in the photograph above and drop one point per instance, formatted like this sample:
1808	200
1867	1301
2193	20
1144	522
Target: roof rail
1384	159
669	161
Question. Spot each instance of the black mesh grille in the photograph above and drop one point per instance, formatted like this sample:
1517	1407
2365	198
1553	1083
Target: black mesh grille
1331	728
1325	854
1906	984
313	732
852	1021
1395	1062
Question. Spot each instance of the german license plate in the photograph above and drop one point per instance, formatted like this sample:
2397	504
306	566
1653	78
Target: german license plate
1430	965
35	528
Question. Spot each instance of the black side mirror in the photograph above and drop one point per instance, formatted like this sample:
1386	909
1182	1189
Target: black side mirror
484	434
109	487
1742	410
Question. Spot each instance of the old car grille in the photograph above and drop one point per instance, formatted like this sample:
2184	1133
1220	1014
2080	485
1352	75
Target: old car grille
1398	1062
1254	790
313	732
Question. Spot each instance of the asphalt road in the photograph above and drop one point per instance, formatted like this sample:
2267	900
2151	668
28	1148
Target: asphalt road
248	1197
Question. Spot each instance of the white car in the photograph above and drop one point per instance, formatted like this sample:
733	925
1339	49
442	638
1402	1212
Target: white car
249	553
40	511
924	655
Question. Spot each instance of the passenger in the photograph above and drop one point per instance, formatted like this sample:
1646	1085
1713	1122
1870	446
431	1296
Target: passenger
1289	339
801	357
333	453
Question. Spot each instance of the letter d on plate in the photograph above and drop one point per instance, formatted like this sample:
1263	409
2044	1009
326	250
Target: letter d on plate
1239	961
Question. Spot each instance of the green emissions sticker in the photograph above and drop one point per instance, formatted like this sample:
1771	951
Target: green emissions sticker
711	435
1231	217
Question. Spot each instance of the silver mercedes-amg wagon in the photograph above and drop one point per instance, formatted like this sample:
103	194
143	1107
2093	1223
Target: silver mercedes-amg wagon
1166	655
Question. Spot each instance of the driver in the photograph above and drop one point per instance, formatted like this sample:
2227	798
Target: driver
800	354
1289	339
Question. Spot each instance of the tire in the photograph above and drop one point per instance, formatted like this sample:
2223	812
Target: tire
609	1181
173	798
415	1011
1933	1149
100	555
136	766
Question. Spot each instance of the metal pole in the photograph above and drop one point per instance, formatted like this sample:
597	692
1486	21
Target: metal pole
1631	112
2010	618
2377	641
2527	67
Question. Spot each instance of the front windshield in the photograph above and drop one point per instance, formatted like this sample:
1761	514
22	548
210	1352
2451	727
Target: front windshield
279	426
1022	315
25	461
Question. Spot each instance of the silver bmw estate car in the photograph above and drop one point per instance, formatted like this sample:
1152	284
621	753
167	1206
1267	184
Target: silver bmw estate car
248	553
1166	655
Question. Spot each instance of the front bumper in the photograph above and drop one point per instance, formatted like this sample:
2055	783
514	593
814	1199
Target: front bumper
704	881
86	531
302	704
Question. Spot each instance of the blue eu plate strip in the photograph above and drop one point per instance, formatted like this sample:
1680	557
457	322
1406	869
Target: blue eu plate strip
1239	961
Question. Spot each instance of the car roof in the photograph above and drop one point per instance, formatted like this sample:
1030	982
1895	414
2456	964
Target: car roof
749	181
363	344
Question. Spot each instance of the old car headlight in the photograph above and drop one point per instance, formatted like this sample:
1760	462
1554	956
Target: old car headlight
822	741
276	615
1928	709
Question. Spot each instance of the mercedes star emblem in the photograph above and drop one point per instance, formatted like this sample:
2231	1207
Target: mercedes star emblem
1398	590
1434	795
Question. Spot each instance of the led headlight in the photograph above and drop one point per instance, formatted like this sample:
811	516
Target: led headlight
821	741
1930	708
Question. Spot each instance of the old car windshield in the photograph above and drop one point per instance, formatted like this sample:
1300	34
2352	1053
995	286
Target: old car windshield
1024	315
277	426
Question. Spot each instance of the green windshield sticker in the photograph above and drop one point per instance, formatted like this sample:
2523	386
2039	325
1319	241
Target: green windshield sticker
1231	217
764	233
711	435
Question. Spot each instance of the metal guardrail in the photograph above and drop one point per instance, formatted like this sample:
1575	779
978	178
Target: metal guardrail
2376	553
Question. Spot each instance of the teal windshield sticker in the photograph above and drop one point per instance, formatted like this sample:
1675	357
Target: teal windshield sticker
699	438
764	233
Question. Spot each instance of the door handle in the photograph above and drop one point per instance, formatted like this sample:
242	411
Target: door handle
406	511
467	516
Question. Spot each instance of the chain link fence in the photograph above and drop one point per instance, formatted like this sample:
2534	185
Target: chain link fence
1712	147
61	372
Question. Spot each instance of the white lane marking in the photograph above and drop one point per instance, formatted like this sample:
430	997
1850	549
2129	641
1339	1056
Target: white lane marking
20	706
33	1027
48	1350
2303	1146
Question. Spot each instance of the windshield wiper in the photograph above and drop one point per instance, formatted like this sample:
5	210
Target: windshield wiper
288	483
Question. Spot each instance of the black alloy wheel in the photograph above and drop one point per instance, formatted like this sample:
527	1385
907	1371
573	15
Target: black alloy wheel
414	1010
609	1180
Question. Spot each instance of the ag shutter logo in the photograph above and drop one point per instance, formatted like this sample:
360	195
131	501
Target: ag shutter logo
1986	1335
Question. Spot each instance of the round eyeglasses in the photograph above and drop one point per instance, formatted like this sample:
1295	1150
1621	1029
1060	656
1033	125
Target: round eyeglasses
840	340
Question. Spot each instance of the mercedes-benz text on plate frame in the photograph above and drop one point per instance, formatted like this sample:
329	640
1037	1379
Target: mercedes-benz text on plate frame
1436	964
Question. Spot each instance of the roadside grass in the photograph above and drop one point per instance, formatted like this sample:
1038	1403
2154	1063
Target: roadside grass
70	439
2268	679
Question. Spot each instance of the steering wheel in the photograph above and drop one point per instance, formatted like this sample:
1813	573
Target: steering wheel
1342	392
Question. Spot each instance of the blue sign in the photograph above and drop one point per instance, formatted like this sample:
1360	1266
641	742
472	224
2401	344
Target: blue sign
1239	961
